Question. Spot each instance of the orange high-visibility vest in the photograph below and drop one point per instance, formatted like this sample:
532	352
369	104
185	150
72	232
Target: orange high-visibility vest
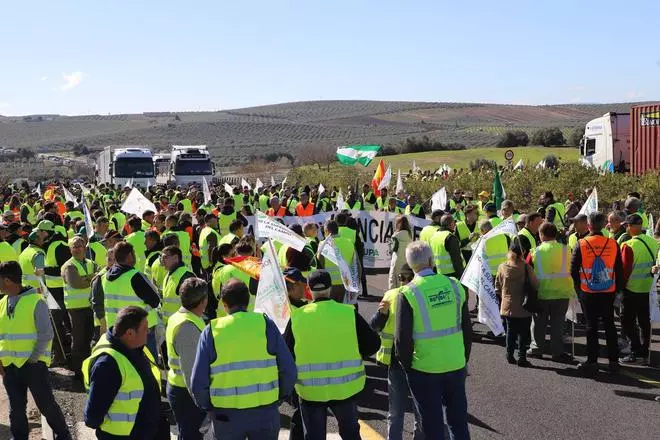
280	212
591	247
305	211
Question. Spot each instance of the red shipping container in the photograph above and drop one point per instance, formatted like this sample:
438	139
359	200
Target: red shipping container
645	131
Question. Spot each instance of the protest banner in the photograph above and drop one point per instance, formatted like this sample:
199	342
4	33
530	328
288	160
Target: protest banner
272	298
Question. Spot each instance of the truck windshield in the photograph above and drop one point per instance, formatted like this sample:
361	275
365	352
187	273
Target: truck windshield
134	167
187	167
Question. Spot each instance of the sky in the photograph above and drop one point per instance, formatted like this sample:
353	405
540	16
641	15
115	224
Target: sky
91	57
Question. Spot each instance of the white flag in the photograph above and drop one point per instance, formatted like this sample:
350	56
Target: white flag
321	189
283	182
84	190
649	230
439	199
573	309
68	196
654	306
272	298
52	304
519	165
206	190
399	183
258	185
329	250
265	227
591	205
136	203
340	201
387	178
272	181
129	183
89	226
540	165
245	184
477	278
39	189
415	167
229	189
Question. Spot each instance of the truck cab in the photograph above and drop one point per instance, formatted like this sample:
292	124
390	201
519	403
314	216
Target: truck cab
121	165
191	164
606	142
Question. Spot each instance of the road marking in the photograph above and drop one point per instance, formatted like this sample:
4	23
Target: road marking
642	378
367	432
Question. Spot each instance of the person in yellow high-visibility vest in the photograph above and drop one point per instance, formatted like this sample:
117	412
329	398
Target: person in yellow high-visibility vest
77	274
446	248
432	341
328	341
242	369
177	273
182	335
551	261
639	255
124	382
26	338
383	322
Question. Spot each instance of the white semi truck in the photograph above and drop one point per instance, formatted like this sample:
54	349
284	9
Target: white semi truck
606	142
162	167
191	164
118	165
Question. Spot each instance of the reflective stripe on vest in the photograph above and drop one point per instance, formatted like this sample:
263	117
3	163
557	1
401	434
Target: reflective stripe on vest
18	331
608	254
26	261
54	281
171	301
436	302
121	416
174	374
441	257
78	298
119	293
553	271
327	355
244	374
645	254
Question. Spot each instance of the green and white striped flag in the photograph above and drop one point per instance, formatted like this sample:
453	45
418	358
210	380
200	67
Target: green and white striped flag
362	154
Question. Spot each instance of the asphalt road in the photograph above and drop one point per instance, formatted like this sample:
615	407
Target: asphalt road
548	401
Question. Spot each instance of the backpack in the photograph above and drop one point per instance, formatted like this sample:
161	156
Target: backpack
600	280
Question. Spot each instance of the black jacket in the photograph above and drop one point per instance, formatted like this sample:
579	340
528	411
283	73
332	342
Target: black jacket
105	381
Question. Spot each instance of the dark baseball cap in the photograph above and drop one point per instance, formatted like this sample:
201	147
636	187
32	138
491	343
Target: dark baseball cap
633	219
111	234
294	274
579	218
319	280
490	207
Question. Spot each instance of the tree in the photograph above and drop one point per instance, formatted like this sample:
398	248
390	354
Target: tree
513	138
478	164
319	156
575	137
548	137
551	162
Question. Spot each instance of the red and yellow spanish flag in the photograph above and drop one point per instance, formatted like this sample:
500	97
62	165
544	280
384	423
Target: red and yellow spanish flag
378	177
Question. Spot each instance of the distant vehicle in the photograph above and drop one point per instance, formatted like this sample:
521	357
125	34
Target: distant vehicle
162	167
191	164
117	165
623	142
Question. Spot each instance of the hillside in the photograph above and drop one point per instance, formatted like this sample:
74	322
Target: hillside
235	135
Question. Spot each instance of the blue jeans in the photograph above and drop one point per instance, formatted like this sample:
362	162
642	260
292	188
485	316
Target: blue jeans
35	378
315	417
438	396
188	416
397	390
252	424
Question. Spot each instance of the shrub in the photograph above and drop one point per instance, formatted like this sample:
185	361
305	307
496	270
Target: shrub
551	162
548	137
479	164
575	137
414	145
515	138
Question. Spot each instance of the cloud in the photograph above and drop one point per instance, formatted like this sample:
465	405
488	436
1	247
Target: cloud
71	80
